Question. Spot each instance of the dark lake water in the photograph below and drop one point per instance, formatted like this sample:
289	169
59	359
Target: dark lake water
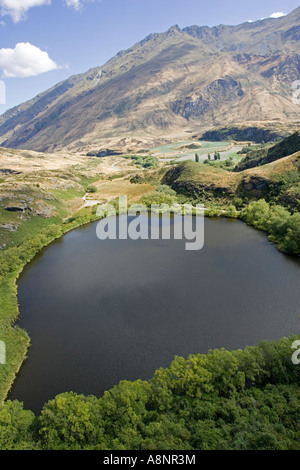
99	312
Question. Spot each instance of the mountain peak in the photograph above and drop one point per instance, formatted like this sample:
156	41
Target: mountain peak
181	80
174	29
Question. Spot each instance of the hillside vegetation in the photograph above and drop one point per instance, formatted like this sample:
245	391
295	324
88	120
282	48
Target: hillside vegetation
288	146
278	182
255	134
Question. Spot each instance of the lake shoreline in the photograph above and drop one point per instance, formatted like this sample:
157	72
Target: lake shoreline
230	239
12	296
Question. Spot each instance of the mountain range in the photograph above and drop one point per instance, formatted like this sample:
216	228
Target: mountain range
182	82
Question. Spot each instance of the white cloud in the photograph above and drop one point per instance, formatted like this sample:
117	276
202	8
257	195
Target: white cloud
77	4
278	14
17	9
25	60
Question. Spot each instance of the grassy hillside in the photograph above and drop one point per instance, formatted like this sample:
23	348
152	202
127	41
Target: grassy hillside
277	182
288	146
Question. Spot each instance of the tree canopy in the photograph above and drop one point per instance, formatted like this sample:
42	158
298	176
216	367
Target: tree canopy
223	400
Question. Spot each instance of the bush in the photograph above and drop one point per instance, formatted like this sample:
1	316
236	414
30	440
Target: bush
163	188
283	228
147	162
93	153
91	189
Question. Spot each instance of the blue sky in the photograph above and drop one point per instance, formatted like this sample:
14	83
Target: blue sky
46	41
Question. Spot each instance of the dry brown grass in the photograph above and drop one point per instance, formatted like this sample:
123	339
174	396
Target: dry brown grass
121	187
278	167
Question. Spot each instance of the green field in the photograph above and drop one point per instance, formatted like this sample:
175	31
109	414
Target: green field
179	151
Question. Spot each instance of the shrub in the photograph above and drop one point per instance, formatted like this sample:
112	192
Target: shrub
91	189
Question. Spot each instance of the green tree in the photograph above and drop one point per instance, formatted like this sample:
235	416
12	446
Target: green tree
16	426
70	421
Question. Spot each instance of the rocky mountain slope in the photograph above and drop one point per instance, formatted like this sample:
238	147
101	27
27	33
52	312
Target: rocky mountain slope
179	82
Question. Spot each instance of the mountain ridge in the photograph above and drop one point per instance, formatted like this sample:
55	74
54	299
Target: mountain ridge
180	81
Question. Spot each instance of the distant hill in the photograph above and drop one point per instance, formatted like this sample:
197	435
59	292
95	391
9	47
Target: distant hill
183	81
288	146
246	133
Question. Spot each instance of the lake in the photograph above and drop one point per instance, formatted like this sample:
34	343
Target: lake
99	312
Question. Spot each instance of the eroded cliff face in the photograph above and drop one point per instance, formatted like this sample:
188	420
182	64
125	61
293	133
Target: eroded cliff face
218	92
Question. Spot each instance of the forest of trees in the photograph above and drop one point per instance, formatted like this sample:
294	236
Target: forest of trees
236	400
